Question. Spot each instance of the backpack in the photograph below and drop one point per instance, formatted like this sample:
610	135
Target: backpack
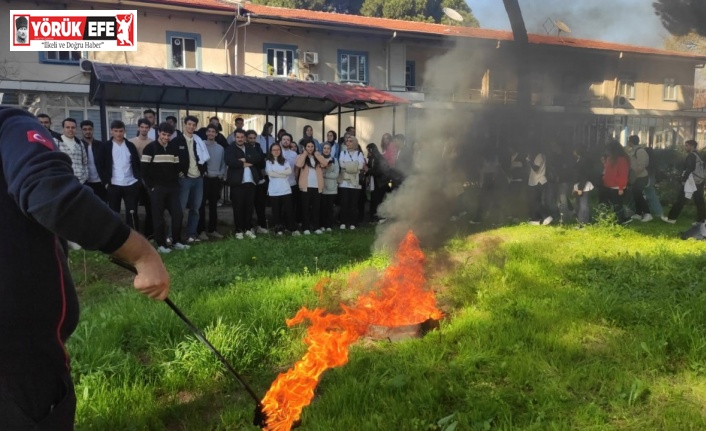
699	171
652	167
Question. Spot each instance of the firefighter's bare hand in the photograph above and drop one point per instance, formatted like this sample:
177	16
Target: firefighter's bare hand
152	277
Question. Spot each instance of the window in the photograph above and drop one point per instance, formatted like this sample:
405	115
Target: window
280	60
670	89
409	76
626	88
184	50
352	66
60	57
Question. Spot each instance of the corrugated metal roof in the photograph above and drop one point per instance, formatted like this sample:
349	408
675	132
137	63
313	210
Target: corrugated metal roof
316	17
120	85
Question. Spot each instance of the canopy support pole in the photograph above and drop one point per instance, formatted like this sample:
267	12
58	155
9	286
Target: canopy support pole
104	121
187	102
355	120
394	119
323	131
339	121
267	120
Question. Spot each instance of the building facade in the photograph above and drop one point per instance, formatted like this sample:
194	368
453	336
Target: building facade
581	91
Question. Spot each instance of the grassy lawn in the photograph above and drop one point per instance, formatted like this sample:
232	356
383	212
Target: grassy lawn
547	328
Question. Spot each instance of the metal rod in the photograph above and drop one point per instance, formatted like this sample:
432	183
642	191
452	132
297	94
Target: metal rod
198	335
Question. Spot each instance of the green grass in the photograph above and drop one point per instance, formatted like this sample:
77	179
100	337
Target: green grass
546	329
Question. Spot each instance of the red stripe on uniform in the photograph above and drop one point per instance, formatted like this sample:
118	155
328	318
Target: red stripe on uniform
63	302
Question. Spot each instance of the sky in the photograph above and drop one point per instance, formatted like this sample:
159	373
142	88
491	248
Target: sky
621	21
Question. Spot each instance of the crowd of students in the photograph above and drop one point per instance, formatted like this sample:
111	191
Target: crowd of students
561	181
184	172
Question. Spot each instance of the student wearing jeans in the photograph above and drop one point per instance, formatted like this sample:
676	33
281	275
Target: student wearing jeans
212	183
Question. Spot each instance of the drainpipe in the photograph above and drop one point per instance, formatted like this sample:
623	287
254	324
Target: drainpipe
235	47
387	61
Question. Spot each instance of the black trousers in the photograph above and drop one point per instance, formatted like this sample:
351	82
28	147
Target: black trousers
166	198
145	201
260	204
349	205
37	402
327	202
99	190
376	197
538	211
211	194
310	201
242	197
616	200
283	213
296	203
128	194
638	188
698	197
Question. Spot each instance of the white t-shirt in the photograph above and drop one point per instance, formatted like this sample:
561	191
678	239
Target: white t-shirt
540	176
279	178
247	172
312	180
351	157
122	169
290	156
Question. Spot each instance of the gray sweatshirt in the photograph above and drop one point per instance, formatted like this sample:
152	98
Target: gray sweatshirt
216	164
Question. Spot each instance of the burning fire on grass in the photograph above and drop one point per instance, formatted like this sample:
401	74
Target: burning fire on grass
398	299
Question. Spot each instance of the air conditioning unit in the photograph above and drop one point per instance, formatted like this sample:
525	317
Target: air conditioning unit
311	57
85	65
621	102
312	77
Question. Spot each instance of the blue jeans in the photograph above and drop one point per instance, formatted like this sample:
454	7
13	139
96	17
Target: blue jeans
652	198
190	196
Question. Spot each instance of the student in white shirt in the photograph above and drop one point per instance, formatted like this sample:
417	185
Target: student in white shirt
279	191
352	164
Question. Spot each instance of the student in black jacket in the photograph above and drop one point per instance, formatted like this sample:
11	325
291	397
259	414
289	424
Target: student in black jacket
690	167
242	176
119	170
41	202
93	148
160	173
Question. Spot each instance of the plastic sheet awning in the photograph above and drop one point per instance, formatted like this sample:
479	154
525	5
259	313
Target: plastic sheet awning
125	85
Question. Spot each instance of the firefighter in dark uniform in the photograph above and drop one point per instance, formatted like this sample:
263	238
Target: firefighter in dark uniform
42	205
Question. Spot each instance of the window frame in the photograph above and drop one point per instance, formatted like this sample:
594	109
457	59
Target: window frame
670	83
632	87
282	47
177	34
341	53
44	60
410	71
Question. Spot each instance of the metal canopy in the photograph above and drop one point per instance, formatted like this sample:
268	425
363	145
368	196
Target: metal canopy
124	85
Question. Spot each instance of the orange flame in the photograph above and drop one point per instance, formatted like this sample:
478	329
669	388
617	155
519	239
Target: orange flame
398	299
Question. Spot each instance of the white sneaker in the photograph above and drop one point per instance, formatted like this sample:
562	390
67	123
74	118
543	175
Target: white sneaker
343	227
203	236
239	235
547	220
637	217
280	233
250	234
351	227
647	217
73	245
318	231
164	250
382	221
307	232
296	233
668	220
534	223
328	229
215	234
261	230
180	246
